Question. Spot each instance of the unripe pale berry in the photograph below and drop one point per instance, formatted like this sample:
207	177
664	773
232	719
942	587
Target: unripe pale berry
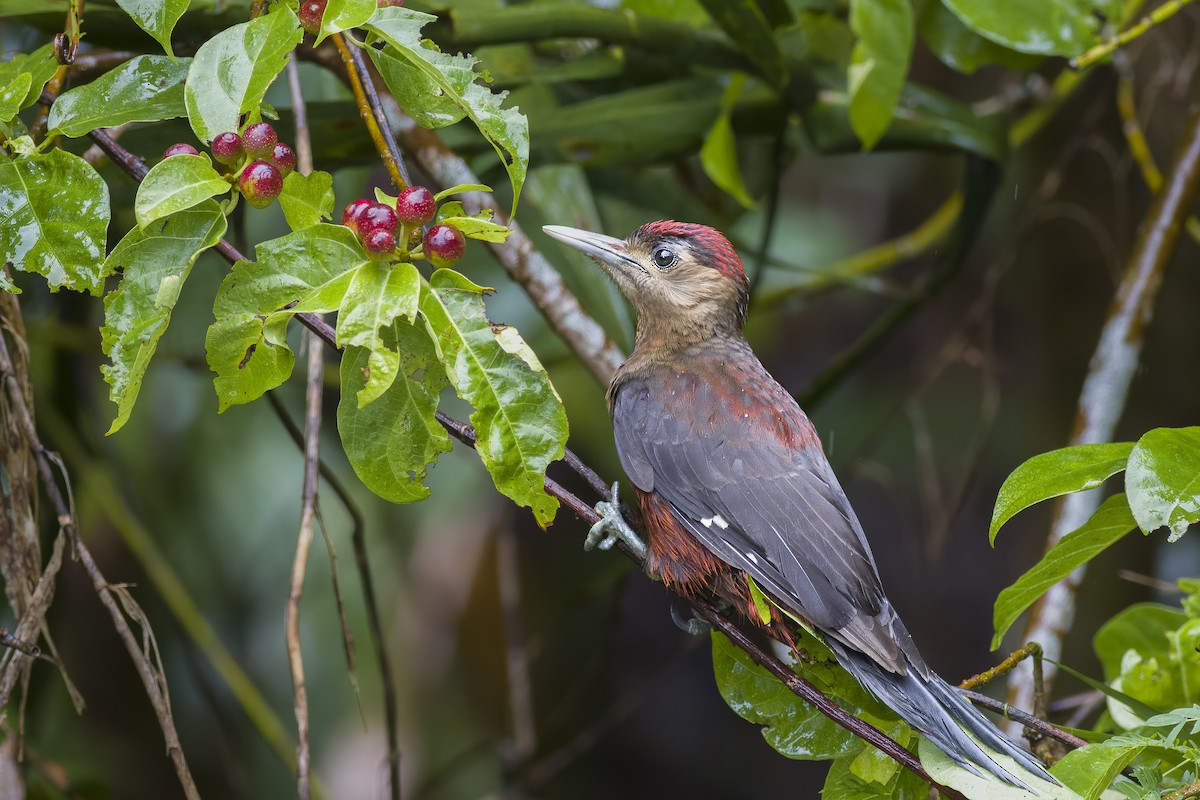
376	216
444	245
415	206
259	140
180	149
311	13
260	184
284	157
353	211
379	244
227	148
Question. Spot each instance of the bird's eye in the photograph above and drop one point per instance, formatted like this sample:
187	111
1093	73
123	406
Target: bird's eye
663	258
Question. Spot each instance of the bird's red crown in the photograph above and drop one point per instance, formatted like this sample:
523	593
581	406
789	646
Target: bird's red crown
708	244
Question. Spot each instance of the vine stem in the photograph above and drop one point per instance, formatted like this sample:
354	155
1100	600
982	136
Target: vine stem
1106	388
1105	49
372	114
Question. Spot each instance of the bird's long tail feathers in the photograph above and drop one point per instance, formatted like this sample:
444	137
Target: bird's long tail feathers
942	715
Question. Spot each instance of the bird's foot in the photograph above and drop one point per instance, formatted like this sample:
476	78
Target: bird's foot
695	625
613	528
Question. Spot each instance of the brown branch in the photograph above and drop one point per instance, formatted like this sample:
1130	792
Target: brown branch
358	81
151	675
1106	386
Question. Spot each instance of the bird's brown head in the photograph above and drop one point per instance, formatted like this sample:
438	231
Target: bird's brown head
685	281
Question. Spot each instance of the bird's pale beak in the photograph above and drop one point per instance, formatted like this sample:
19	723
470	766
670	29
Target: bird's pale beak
609	251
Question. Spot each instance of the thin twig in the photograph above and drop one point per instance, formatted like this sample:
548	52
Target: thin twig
308	511
372	97
1025	719
516	651
1104	49
304	160
1106	386
355	78
152	679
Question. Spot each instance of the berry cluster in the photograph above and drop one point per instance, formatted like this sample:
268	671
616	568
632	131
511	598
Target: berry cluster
259	159
382	229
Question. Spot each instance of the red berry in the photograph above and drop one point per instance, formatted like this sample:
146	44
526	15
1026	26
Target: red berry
415	206
374	217
311	13
259	140
284	158
260	184
353	211
227	148
180	149
379	244
444	245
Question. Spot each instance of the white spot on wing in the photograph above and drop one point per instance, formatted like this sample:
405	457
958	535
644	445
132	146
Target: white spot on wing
707	522
720	522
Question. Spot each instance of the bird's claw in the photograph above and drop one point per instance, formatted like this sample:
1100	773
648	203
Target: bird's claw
694	625
613	528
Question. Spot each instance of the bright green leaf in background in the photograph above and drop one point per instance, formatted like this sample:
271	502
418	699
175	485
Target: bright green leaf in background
518	417
1142	628
306	199
1059	472
423	78
156	17
718	156
878	65
1040	27
143	89
342	15
232	71
154	264
391	442
247	344
1163	480
1110	522
963	49
40	65
174	184
54	216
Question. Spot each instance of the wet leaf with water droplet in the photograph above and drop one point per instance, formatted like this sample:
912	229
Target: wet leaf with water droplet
143	89
156	17
174	184
54	214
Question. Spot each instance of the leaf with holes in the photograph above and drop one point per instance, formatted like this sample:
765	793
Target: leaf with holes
1163	480
232	71
438	89
143	89
391	442
154	263
519	419
54	214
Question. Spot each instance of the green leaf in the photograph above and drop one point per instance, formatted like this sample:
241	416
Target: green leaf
842	784
40	65
156	17
761	604
231	71
306	199
744	22
459	189
342	15
1041	27
12	95
791	726
1111	521
974	785
437	80
1142	628
247	344
154	263
1163	480
718	156
479	226
963	49
143	89
174	184
54	216
878	65
518	416
1090	769
1059	472
391	442
376	296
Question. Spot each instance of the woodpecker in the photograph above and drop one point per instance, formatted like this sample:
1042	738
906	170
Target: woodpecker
732	482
